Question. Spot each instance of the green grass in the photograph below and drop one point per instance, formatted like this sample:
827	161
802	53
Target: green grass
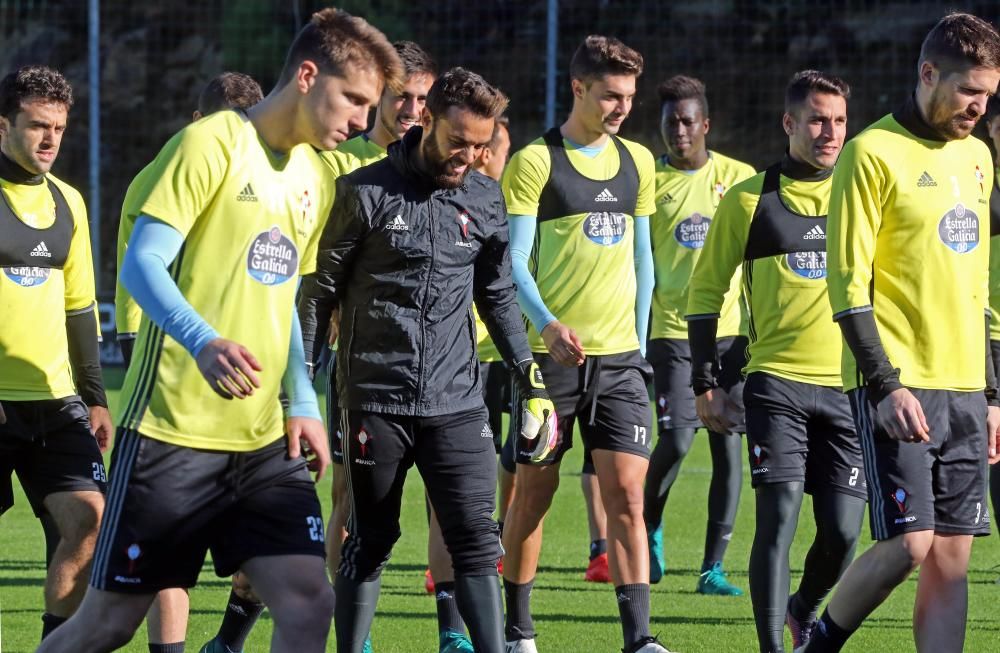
570	615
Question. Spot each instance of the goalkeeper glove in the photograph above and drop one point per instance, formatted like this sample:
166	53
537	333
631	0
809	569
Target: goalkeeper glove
539	433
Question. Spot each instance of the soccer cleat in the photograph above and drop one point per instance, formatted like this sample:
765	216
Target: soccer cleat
455	642
520	646
646	645
657	565
713	581
215	646
801	630
367	648
428	582
597	570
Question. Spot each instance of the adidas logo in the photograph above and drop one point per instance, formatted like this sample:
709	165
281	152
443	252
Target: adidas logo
926	181
667	198
816	233
41	250
622	598
605	196
246	195
486	432
398	224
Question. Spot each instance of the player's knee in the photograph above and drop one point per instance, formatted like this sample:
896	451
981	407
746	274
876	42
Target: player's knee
623	499
839	539
364	555
242	587
306	609
82	519
474	547
534	495
904	553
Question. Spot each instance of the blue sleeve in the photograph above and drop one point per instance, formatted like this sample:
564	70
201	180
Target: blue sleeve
644	279
296	384
152	248
522	239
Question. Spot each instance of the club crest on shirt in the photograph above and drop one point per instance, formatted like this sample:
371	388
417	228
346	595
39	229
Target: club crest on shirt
272	258
808	265
692	231
605	228
28	277
959	229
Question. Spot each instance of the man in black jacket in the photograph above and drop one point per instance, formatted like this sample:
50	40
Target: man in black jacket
412	240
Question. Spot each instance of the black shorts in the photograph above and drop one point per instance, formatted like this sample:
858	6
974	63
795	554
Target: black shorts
940	485
802	432
168	505
673	394
496	396
608	394
49	445
334	428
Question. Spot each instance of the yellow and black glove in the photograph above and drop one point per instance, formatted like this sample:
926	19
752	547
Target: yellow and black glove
539	432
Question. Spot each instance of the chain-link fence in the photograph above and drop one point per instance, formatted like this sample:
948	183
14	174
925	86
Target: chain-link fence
154	58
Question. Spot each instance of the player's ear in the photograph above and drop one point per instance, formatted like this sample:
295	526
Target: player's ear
929	74
578	89
305	76
195	116
4	126
708	125
426	118
788	123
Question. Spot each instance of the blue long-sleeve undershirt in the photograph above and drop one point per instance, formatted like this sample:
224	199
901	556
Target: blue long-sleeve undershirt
522	239
152	247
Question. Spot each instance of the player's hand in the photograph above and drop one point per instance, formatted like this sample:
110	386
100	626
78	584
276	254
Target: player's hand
334	330
101	426
902	417
993	430
229	368
563	344
307	436
714	408
539	427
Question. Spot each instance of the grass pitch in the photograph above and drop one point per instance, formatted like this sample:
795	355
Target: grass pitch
571	616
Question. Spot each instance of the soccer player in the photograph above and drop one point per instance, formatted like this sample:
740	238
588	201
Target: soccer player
993	128
57	421
578	201
690	182
166	622
908	277
234	212
800	435
411	241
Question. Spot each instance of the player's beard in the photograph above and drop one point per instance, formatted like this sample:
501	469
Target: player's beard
436	164
946	122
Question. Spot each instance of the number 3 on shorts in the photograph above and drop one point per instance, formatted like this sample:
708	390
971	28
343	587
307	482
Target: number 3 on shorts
315	528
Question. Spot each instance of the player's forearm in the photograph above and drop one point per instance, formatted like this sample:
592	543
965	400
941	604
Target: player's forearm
862	337
645	279
85	356
315	307
522	237
992	391
153	247
702	331
296	382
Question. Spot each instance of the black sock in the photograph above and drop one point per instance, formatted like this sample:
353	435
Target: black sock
50	622
176	647
633	606
479	600
518	597
597	547
238	621
447	609
828	636
356	602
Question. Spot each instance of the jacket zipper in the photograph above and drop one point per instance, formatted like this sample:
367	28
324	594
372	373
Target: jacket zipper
423	308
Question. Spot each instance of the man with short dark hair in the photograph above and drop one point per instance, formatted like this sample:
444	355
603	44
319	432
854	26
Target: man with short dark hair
800	435
690	182
908	241
166	622
235	210
57	421
411	242
578	201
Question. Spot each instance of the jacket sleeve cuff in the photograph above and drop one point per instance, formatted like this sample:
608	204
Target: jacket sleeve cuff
704	354
861	334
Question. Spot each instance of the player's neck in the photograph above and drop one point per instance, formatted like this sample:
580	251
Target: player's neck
696	161
379	135
274	118
575	130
